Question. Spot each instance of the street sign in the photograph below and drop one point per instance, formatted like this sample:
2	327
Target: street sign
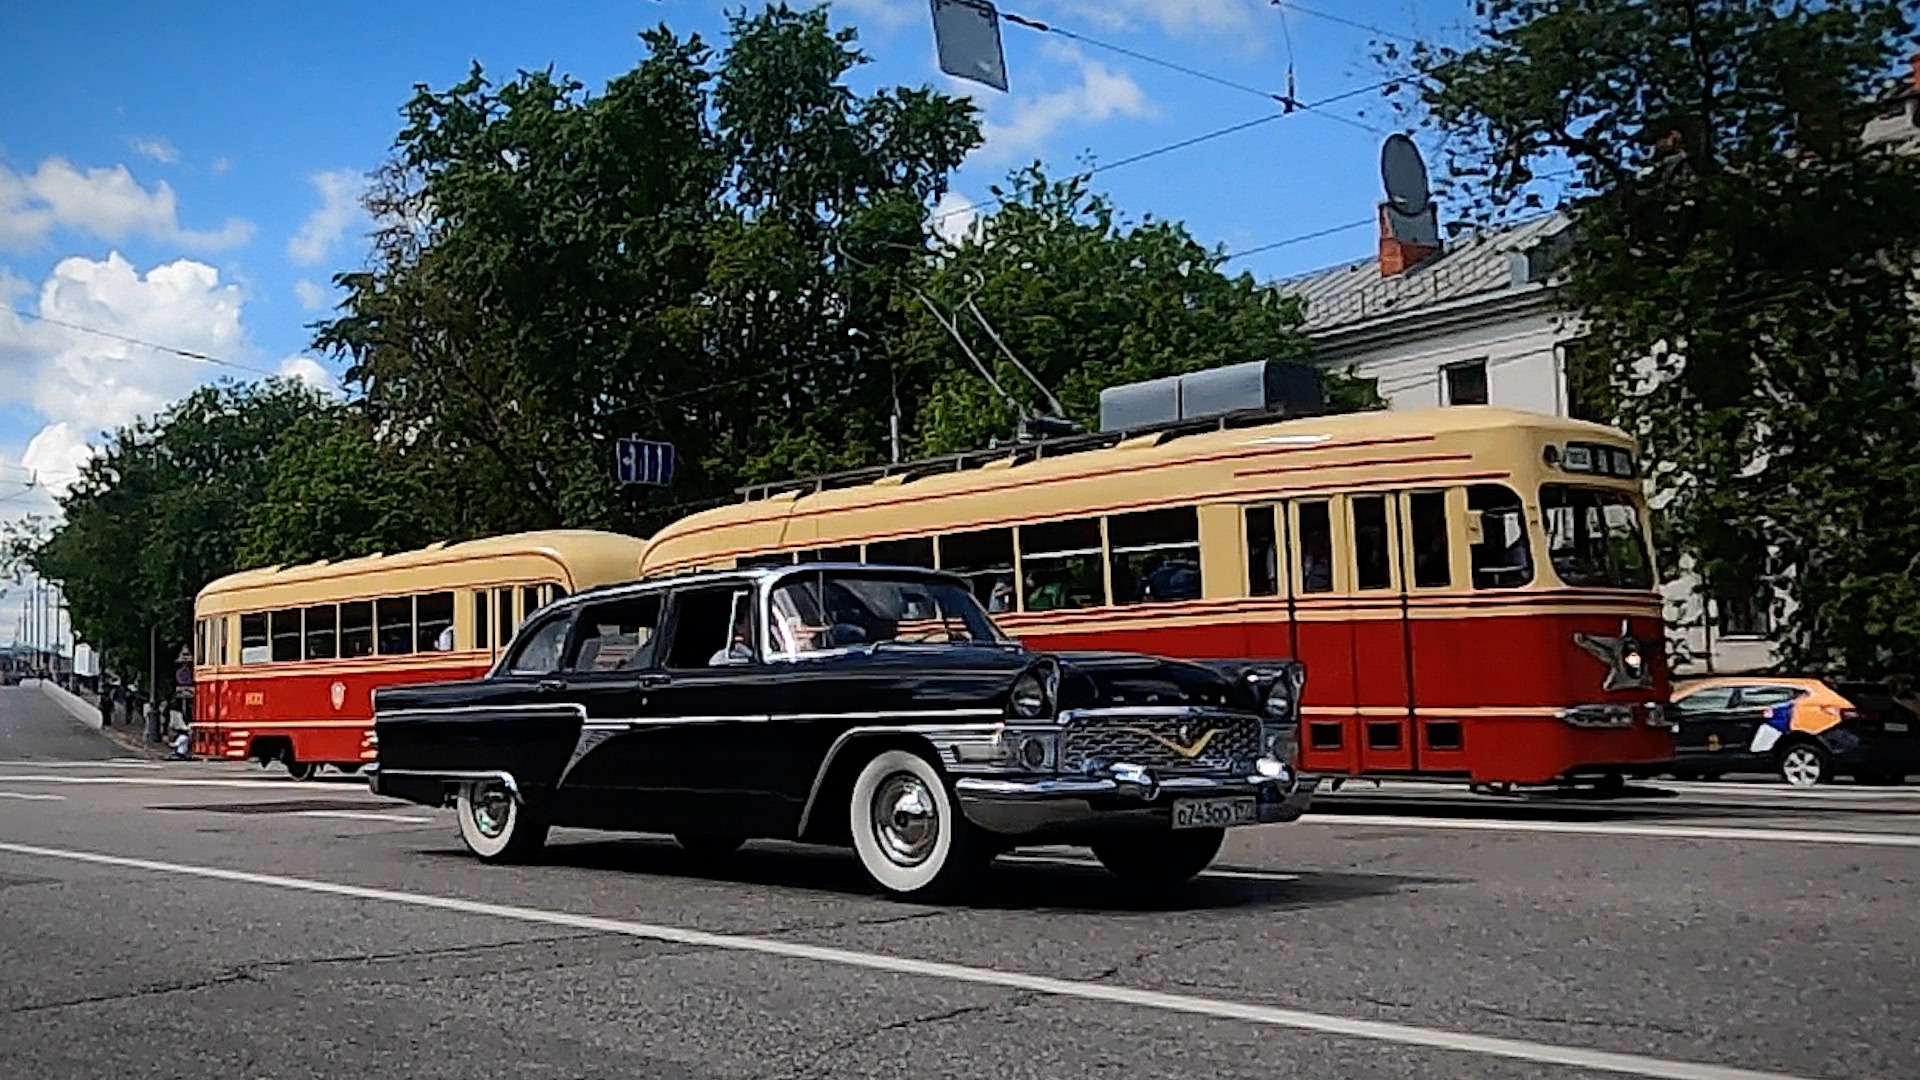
643	462
966	38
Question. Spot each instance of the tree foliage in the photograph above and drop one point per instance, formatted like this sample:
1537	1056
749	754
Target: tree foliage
1746	261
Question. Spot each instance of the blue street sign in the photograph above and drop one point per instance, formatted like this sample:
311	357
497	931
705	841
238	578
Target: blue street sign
644	462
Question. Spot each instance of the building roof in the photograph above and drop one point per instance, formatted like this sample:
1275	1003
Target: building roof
1484	264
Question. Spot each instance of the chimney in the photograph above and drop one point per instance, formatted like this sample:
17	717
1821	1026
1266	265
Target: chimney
1406	240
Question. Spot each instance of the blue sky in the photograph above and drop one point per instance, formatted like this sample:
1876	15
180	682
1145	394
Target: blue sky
186	173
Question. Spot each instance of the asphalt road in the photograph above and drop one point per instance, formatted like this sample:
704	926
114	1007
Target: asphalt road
190	920
33	728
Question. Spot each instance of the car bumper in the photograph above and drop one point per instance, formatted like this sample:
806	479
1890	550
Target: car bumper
1066	806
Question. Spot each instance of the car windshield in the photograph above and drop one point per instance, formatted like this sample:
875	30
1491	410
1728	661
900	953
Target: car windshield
1595	539
831	609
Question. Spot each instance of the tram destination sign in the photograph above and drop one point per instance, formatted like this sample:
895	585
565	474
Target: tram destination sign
641	461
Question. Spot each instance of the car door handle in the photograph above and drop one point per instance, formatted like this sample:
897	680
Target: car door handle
553	685
655	680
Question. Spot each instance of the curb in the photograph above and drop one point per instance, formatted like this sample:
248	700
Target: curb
76	706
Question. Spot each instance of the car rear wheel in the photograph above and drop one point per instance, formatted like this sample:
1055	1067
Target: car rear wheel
1160	859
907	829
497	827
1805	764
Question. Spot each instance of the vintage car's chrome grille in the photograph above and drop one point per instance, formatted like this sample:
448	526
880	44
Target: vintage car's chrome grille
1164	743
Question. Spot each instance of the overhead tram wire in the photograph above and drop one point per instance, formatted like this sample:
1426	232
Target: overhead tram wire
187	353
1342	20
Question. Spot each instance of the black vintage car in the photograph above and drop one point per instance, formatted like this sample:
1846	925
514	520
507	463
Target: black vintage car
877	707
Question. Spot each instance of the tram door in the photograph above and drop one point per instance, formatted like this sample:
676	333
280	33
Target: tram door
1370	530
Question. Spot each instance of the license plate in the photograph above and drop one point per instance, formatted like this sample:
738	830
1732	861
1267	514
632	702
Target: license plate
1212	813
1896	725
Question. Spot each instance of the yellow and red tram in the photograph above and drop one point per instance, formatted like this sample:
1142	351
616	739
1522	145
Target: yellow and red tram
1472	589
286	659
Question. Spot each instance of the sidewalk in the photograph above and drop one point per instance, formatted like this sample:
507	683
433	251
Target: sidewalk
85	707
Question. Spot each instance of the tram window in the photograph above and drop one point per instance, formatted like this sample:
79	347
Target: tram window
286	635
915	552
1316	548
356	629
1427	517
554	592
1263	553
323	638
615	636
433	622
255	646
1061	564
199	642
222	631
1502	557
985	558
532	599
394	617
1155	556
503	615
1372	558
482	625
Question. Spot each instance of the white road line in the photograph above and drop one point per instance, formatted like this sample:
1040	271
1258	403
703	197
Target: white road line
367	815
29	796
1224	872
1655	832
111	763
170	781
1571	1057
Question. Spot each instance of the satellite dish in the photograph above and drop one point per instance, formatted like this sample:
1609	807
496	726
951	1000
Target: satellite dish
1405	176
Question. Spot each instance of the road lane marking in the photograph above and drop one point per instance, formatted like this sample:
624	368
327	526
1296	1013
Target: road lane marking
1223	872
1381	1031
171	781
110	763
1655	832
30	796
366	815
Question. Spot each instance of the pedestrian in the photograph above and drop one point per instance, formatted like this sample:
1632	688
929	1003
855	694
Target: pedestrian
181	744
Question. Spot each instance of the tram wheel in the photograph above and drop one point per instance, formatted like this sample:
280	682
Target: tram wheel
301	770
1612	783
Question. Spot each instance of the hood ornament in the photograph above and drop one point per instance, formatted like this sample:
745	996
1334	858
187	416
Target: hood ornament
1626	661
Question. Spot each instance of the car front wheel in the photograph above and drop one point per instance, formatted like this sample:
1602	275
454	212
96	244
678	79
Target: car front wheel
497	827
1160	859
1805	765
907	829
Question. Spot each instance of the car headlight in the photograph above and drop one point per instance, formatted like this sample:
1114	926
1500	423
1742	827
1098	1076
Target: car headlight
1030	699
1279	701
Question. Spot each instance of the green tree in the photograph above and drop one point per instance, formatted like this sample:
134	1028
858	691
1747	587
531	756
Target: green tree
334	492
1746	260
158	513
688	256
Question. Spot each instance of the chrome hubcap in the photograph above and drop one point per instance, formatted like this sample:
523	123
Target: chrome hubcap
492	808
905	819
1801	767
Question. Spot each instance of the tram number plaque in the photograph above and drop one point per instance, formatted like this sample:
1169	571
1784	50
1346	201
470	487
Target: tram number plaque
1212	813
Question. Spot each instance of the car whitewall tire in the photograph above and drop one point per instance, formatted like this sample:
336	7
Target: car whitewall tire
495	826
907	829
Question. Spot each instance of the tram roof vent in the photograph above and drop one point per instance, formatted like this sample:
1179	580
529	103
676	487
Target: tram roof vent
1258	387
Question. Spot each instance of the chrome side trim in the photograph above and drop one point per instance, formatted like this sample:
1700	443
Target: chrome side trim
931	731
1151	712
500	776
568	709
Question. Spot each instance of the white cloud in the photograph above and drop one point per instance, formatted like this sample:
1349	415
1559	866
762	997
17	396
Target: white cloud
339	207
312	297
309	371
109	203
220	166
954	216
1101	94
1191	18
94	383
159	150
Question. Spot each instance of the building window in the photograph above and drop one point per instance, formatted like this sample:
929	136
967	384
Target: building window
1746	616
1464	384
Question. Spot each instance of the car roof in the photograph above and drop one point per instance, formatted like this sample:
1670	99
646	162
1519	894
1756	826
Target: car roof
753	574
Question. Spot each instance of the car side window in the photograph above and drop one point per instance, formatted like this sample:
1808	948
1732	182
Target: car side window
1759	697
541	648
617	635
1712	699
712	627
